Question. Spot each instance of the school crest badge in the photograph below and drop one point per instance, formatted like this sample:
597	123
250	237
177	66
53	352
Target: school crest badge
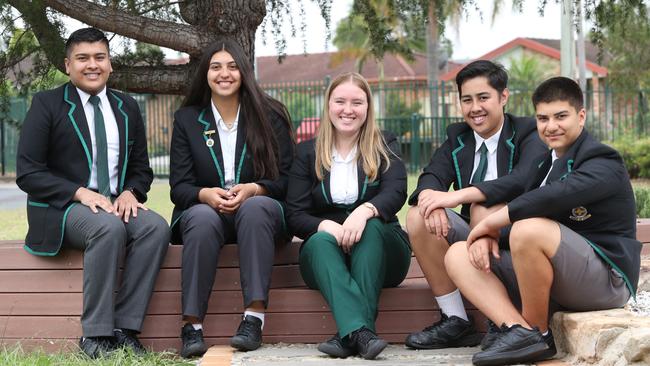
579	214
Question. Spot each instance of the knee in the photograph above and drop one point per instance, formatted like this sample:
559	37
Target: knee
529	234
113	227
318	244
456	258
255	208
414	222
199	215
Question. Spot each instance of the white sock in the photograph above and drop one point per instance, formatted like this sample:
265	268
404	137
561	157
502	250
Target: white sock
545	333
452	304
255	314
197	326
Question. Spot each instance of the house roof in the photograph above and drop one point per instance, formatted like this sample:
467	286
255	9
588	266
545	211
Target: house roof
318	66
548	47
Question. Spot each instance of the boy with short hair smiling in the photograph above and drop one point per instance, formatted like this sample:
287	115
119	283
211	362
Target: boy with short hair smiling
573	239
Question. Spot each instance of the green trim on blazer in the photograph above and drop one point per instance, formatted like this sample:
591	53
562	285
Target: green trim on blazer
37	204
206	125
241	163
120	102
52	254
322	188
511	146
73	106
455	158
569	166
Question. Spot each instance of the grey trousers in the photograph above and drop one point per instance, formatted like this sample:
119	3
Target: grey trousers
255	227
106	240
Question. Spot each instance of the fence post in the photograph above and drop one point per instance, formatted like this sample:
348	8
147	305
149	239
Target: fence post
415	143
3	163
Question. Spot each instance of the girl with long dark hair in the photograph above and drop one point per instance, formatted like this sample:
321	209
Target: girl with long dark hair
230	155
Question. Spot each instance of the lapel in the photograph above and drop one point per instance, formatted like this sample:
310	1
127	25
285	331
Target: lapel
463	158
122	120
325	189
77	118
564	165
362	181
506	148
240	146
206	119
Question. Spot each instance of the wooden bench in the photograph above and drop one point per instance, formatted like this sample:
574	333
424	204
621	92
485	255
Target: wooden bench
41	301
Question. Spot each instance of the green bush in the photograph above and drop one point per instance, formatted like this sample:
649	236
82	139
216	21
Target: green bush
642	196
636	155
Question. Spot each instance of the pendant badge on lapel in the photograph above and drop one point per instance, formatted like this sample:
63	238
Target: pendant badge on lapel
209	142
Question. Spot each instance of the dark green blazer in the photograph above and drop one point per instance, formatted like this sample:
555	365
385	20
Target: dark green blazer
55	158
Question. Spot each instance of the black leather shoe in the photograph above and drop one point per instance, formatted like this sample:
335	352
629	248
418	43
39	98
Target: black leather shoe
336	347
249	334
128	339
367	343
193	344
96	347
492	334
447	332
516	345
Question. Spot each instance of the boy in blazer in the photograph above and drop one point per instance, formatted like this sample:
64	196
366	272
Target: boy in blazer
573	238
490	144
82	160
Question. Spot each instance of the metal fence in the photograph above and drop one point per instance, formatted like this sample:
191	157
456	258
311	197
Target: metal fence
416	112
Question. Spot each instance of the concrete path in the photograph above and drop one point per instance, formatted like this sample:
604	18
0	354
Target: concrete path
11	197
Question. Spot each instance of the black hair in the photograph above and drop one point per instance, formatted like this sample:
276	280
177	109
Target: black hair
495	73
559	88
256	107
90	35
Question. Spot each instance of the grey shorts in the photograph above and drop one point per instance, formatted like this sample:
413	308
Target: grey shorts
458	227
582	281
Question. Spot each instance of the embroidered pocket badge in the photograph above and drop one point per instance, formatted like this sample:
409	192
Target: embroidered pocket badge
579	214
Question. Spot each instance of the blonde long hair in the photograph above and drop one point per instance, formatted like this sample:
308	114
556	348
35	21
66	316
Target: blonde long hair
372	148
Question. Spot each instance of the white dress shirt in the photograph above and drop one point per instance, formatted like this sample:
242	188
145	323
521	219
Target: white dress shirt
491	143
553	158
228	139
112	137
344	185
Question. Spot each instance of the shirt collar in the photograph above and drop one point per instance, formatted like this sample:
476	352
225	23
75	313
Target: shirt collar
220	122
85	96
491	142
553	156
336	157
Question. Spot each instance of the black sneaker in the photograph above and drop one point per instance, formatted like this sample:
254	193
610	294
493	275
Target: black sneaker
448	332
336	347
96	347
492	334
193	344
515	345
249	334
128	339
367	343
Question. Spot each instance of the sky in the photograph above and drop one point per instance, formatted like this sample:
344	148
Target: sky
473	37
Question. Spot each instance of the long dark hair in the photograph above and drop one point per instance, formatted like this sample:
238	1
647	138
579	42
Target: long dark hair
255	107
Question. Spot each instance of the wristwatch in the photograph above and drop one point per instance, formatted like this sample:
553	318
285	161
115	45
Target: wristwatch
371	207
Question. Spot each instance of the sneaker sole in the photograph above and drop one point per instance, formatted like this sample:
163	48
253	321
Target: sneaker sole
471	340
194	352
334	351
245	346
375	350
531	353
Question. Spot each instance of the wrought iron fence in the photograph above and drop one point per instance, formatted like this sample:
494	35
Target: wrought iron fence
416	112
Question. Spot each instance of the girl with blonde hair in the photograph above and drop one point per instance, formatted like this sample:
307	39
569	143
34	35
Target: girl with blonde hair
345	188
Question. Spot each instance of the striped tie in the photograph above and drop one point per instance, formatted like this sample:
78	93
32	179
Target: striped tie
103	182
481	169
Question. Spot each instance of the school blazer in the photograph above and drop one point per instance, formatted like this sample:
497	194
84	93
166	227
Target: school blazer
453	161
309	200
589	191
194	165
55	158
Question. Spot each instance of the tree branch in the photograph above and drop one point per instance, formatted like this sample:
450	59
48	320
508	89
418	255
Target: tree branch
180	37
152	79
47	33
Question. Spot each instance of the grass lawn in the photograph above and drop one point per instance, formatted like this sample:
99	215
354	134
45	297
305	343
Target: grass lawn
15	356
